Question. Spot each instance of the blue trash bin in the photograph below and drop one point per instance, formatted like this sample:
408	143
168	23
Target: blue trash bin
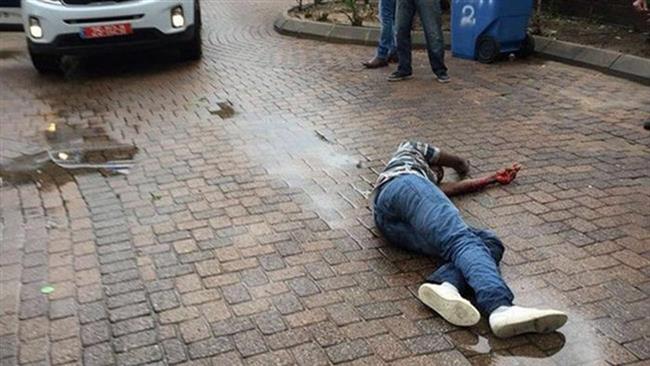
484	29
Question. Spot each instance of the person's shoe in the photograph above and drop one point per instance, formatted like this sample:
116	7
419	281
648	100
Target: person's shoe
509	321
646	125
443	77
376	63
393	58
399	76
446	301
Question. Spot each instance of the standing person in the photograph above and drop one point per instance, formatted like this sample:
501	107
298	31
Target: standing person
412	212
386	50
431	18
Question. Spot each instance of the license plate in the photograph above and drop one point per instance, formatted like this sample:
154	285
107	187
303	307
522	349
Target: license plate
110	30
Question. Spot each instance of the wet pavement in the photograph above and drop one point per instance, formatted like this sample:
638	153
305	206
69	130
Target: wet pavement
242	233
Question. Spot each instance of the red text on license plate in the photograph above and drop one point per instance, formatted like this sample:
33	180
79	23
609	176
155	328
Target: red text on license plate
109	30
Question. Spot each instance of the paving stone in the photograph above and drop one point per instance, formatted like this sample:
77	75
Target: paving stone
271	262
64	328
62	308
209	347
164	300
280	358
254	277
343	313
249	343
215	311
91	312
66	351
326	333
174	351
309	354
441	358
194	330
123	287
303	286
427	344
33	308
132	325
98	355
94	333
348	351
8	346
639	348
270	323
287	304
140	355
235	294
388	347
128	312
34	328
135	340
178	315
129	298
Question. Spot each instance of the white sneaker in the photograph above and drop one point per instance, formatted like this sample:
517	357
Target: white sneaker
445	300
509	321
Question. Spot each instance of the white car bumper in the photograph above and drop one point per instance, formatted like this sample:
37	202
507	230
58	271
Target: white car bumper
61	23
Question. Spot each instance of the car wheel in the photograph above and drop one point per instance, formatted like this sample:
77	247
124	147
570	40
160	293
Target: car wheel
46	64
193	49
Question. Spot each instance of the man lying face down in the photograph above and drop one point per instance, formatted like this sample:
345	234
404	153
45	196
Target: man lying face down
412	211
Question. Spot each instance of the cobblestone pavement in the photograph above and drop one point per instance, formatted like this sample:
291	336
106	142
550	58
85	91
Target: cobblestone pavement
248	240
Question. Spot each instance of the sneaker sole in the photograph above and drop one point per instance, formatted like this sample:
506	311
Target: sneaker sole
400	79
459	312
534	324
444	81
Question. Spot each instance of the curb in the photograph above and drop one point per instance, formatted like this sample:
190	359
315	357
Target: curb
611	62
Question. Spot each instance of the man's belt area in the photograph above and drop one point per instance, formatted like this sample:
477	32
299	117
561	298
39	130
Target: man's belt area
397	171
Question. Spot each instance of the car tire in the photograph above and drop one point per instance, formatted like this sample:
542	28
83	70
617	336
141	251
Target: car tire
193	49
46	64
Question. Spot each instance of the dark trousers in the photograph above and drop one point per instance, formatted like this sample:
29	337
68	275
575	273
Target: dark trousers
431	17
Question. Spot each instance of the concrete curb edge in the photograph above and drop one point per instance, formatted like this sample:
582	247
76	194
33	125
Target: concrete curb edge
611	62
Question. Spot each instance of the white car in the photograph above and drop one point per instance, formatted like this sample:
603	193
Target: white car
10	18
56	28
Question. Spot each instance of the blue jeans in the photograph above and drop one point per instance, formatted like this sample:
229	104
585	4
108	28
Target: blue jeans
387	35
431	17
414	214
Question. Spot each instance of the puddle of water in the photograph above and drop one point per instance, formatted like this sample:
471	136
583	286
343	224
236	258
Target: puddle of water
302	157
577	343
70	149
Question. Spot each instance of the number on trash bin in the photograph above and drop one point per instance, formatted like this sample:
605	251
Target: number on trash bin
468	18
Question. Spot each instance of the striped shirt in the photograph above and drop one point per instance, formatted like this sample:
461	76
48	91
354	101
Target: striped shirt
413	157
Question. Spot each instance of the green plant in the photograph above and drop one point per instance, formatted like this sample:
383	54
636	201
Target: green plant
357	12
322	17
